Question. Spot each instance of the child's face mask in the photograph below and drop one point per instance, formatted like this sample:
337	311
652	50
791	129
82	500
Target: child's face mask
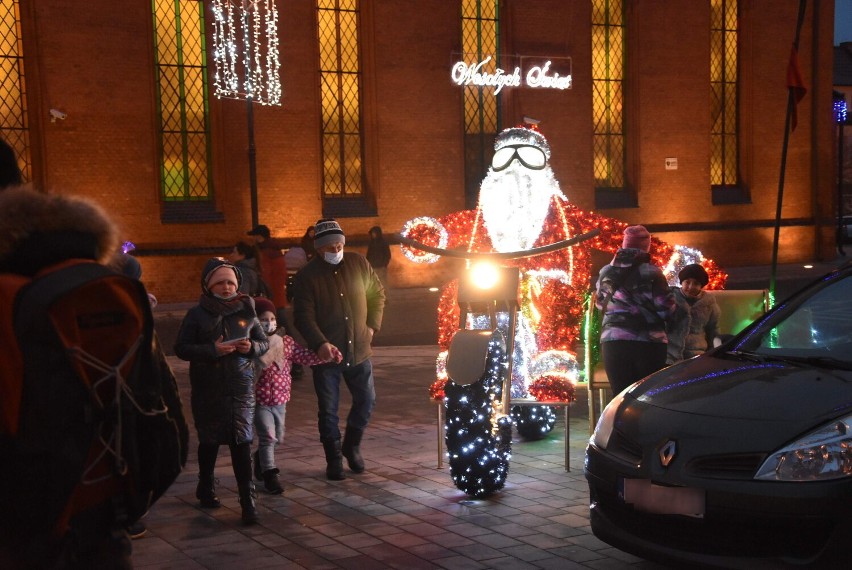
269	324
224	297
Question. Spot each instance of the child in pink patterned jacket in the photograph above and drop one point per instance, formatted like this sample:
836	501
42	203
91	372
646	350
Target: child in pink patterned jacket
272	391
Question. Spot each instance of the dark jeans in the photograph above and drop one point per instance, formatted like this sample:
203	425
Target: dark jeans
359	380
627	361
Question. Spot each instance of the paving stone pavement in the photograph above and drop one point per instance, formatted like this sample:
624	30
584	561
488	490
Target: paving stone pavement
403	512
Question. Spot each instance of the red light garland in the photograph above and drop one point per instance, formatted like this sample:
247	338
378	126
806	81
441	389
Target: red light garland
552	388
553	286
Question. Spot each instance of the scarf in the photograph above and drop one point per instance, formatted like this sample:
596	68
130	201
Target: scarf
222	307
275	354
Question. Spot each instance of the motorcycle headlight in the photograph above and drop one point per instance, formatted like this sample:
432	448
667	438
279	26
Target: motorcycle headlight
606	422
823	454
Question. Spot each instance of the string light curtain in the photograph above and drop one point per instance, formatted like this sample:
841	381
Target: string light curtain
245	50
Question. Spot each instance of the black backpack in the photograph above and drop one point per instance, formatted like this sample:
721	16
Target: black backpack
92	414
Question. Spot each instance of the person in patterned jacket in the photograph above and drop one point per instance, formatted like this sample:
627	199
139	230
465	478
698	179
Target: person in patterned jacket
636	302
272	392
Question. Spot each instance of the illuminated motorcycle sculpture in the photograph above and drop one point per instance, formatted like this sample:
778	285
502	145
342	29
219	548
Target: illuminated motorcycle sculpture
477	393
522	207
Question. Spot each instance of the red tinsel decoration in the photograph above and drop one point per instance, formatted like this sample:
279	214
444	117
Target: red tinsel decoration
559	305
551	388
436	390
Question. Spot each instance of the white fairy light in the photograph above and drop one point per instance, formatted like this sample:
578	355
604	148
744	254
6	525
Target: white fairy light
245	35
680	257
430	224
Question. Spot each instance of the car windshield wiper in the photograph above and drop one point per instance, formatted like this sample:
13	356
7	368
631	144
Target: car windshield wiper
818	361
744	355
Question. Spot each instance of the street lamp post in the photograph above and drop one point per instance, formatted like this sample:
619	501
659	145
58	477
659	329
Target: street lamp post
249	71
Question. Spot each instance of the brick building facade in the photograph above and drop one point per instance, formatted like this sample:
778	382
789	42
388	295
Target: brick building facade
95	62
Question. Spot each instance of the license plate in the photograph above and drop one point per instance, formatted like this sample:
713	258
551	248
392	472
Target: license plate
659	499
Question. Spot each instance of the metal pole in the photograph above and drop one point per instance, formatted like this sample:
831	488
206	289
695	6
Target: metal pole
252	164
791	101
250	114
510	349
840	224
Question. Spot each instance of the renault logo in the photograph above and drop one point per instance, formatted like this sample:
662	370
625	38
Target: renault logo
667	453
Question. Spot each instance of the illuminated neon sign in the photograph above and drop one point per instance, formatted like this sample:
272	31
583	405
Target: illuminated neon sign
539	75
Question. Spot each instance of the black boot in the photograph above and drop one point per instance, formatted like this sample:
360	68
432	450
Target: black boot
351	449
334	459
247	502
271	482
205	492
258	474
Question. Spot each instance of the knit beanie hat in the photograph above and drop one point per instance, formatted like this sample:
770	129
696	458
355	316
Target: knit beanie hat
213	266
327	231
262	305
693	271
636	237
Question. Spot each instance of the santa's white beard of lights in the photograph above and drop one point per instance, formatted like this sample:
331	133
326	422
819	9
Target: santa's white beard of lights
514	204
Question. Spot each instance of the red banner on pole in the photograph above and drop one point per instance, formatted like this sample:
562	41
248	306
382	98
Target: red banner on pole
795	83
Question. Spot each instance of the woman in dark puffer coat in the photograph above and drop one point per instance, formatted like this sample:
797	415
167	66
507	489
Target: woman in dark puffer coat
220	337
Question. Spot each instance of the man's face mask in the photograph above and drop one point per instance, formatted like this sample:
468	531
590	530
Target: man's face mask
333	257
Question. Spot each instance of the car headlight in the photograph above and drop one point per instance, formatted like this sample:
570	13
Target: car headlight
606	422
823	454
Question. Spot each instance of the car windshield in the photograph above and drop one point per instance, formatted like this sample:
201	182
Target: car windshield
816	327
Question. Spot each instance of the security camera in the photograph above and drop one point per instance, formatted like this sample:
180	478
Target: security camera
57	114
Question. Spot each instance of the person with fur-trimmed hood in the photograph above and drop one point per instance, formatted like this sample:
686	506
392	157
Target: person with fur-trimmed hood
221	337
41	233
694	326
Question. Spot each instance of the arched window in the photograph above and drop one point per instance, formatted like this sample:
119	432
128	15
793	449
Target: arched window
608	103
724	72
480	39
340	92
182	99
14	124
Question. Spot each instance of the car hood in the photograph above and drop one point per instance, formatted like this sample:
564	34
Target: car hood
728	387
718	406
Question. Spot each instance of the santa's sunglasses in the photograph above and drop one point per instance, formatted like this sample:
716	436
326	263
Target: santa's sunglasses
530	156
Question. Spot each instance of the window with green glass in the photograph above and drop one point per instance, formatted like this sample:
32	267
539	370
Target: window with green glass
338	29
608	61
723	91
480	26
14	125
181	68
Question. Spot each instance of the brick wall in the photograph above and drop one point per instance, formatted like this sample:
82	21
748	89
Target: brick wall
93	60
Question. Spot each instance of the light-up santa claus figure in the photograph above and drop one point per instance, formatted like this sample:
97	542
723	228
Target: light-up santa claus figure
522	207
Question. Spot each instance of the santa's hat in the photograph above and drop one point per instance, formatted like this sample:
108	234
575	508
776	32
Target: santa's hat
527	134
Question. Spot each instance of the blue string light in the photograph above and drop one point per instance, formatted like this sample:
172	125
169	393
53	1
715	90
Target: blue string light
840	111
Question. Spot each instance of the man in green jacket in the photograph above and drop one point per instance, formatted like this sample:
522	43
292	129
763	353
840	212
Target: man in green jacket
338	302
